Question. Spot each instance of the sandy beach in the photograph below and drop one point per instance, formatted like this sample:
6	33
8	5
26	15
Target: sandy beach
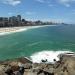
9	30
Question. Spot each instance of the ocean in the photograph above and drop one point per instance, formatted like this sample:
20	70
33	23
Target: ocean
38	43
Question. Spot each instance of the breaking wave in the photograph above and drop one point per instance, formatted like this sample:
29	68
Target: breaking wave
47	55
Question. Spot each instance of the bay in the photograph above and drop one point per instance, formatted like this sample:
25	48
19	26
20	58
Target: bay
26	43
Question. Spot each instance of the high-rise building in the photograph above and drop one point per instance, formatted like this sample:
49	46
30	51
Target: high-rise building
5	21
10	21
19	19
1	21
13	21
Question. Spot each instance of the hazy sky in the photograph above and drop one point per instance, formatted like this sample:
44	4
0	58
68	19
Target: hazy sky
55	10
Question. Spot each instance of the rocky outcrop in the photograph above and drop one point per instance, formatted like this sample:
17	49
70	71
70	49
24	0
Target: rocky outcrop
23	66
66	65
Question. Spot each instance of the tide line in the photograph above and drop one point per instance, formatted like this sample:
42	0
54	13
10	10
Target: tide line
10	30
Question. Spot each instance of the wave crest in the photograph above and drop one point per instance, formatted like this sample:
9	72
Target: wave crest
47	55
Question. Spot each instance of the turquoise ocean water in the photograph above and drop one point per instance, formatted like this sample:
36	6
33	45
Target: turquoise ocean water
50	38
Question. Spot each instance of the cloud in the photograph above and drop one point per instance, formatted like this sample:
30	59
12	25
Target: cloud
73	12
50	5
64	1
30	13
41	1
12	2
67	3
10	13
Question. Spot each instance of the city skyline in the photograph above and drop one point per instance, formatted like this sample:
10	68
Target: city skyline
45	10
19	21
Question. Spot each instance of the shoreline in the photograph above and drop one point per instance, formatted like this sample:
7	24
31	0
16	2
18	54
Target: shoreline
9	30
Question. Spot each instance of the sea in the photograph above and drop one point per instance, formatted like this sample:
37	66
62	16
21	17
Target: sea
38	43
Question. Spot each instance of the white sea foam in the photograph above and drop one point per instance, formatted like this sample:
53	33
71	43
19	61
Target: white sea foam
15	29
49	55
10	32
33	44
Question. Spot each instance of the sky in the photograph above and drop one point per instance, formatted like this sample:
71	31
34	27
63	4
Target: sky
45	10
